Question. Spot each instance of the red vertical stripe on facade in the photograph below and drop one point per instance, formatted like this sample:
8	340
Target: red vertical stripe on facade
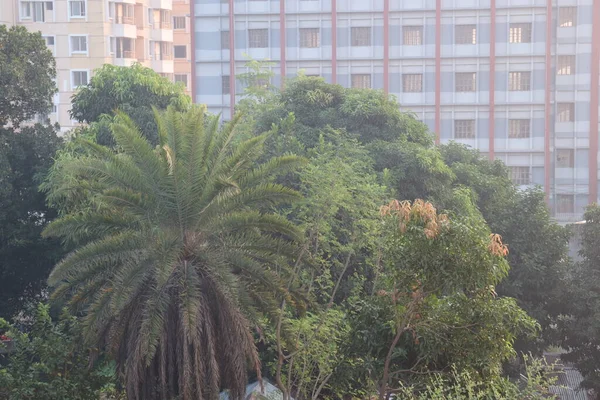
548	120
333	41
231	57
282	43
595	70
438	69
193	49
492	88
386	46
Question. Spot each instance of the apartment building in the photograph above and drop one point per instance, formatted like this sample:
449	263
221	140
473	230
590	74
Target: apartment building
516	79
182	44
85	34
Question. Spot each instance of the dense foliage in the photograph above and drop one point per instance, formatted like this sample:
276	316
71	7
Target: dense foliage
50	362
175	249
25	257
133	90
27	73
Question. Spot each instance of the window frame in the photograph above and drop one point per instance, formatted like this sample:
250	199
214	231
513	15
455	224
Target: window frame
253	43
460	87
570	159
526	31
225	44
561	110
313	41
563	68
364	77
464	134
70	9
356	40
469	38
185	56
407	83
561	204
412	35
226	83
185	82
520	84
517	175
179	18
87	72
80	52
516	128
571	13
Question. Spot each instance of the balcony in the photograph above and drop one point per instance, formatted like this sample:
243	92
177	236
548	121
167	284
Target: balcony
161	34
121	19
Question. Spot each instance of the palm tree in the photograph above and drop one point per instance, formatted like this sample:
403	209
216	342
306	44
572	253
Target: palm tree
174	246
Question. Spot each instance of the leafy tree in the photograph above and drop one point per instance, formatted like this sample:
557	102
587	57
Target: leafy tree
27	73
50	362
25	257
538	247
579	326
176	252
437	284
532	385
134	90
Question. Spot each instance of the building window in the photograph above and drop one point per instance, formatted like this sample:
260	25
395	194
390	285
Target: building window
178	22
519	81
309	37
34	11
183	78
566	65
258	38
79	44
361	36
412	35
165	19
224	40
76	8
49	40
465	34
565	112
180	51
520	32
465	81
225	84
361	81
520	175
565	158
464	129
412	83
25	10
567	16
519	128
565	203
78	78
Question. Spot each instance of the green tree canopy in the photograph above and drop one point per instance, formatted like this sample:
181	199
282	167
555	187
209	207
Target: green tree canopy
133	90
25	257
27	73
175	247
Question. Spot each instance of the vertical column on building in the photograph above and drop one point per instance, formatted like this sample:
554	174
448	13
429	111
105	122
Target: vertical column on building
492	86
282	41
595	70
438	69
333	41
193	49
232	79
548	105
386	46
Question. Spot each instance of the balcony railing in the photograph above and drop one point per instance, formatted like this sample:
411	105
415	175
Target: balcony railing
159	57
125	54
124	20
165	25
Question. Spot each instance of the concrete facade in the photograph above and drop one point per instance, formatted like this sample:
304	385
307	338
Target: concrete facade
516	79
85	34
